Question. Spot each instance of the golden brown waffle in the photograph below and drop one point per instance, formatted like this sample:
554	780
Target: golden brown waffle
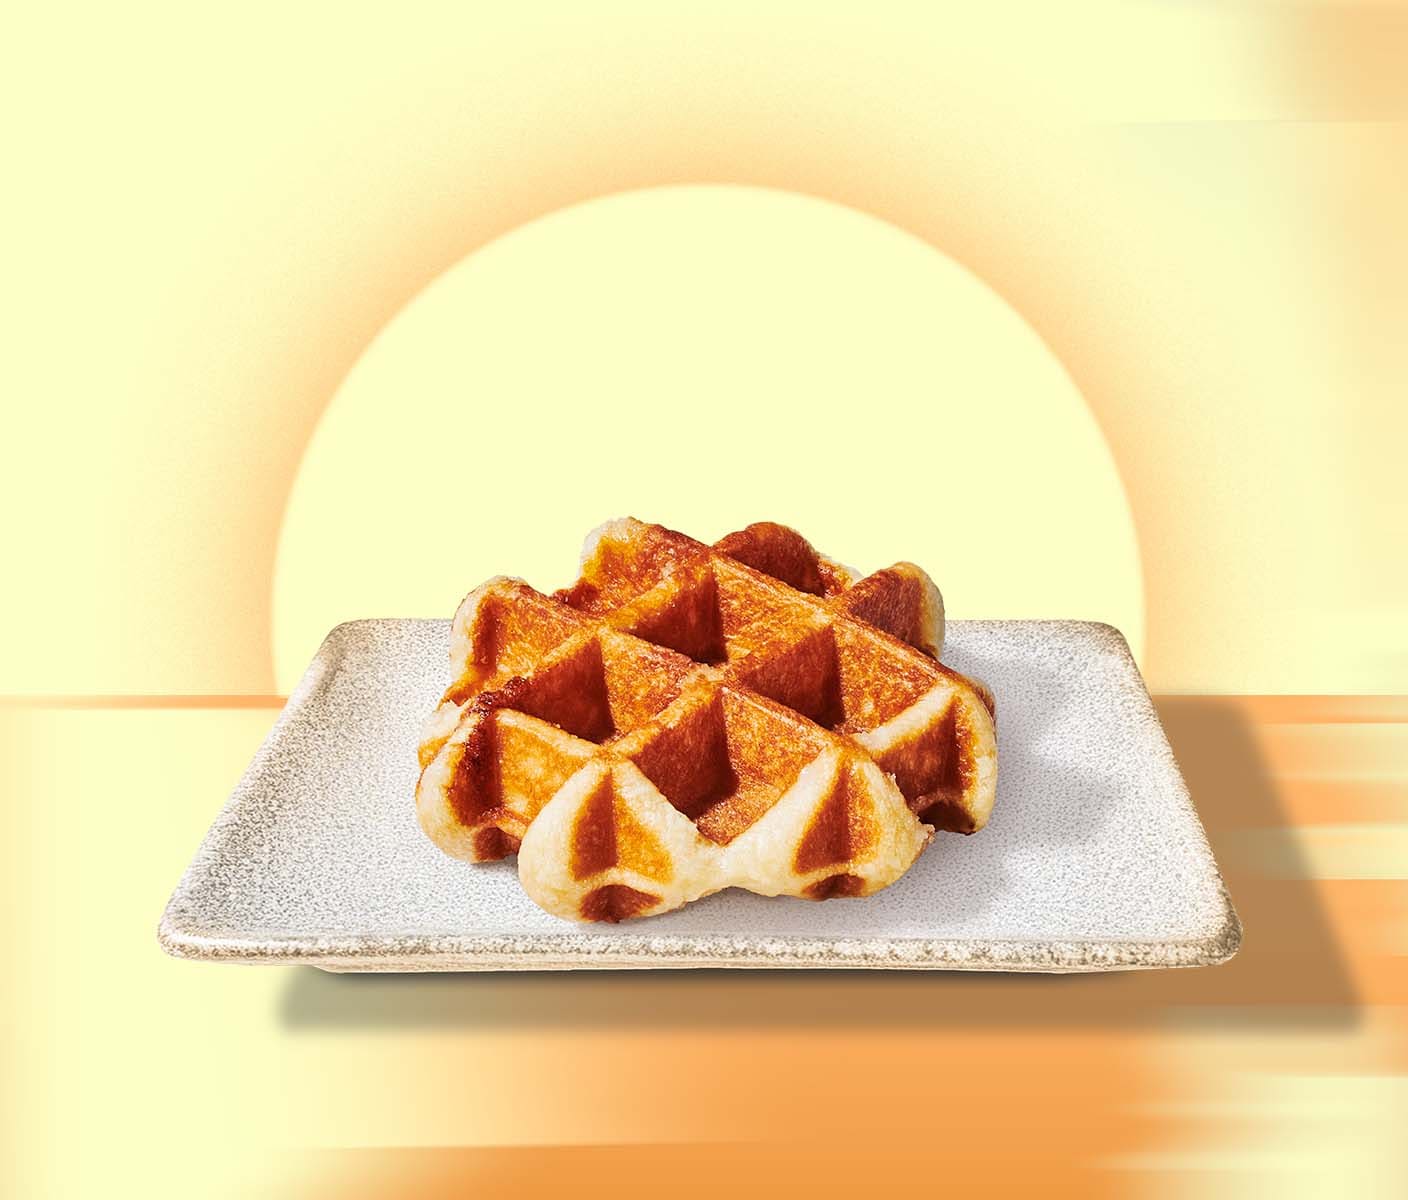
686	718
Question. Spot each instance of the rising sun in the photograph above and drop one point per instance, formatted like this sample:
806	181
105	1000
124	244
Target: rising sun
704	357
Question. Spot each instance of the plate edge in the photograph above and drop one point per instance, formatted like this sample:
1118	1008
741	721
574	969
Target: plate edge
586	951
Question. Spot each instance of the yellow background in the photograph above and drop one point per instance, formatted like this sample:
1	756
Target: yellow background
1197	210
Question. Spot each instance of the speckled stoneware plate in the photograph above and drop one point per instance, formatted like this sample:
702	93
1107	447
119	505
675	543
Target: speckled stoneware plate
1094	858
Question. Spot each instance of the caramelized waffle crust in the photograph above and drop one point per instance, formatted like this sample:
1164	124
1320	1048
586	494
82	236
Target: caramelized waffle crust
686	718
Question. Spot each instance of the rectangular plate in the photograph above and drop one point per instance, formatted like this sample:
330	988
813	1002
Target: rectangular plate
1094	858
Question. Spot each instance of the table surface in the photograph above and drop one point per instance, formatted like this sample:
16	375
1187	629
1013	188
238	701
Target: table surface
1285	1067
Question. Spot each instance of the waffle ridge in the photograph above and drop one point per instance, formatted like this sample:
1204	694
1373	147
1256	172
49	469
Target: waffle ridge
687	717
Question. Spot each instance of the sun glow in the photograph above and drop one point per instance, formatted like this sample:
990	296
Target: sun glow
704	357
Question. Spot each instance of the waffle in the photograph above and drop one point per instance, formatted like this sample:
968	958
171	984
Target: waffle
686	718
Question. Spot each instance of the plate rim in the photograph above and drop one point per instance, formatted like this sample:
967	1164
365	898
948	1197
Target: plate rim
420	952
